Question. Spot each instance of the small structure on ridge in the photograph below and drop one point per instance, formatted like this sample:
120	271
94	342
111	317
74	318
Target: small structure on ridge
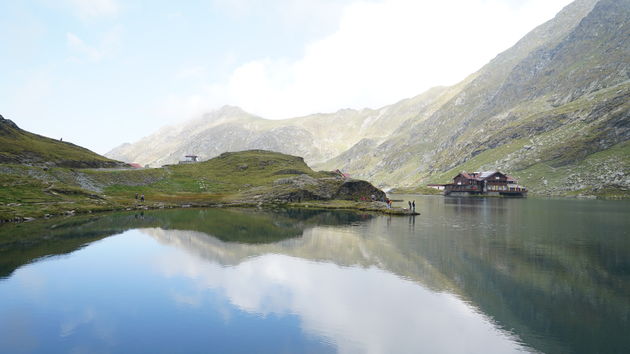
190	159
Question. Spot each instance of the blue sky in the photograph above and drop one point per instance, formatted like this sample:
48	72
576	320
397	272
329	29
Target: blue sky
103	72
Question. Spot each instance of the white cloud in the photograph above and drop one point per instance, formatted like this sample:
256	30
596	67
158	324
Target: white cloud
382	52
288	11
109	42
76	44
192	72
94	8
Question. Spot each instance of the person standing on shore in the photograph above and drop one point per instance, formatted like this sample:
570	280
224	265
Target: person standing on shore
409	202
414	206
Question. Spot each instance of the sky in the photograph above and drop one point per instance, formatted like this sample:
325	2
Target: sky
100	73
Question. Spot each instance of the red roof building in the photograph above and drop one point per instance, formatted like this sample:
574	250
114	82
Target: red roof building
484	183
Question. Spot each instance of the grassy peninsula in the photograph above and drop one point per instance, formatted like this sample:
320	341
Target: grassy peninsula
247	178
42	177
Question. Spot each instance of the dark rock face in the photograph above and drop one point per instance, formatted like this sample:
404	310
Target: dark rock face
7	126
301	195
357	189
304	188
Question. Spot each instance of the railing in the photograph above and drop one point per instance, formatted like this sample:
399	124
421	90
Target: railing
463	188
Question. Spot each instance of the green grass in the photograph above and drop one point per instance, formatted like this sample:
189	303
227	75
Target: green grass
417	190
20	146
226	175
487	157
230	178
561	157
594	167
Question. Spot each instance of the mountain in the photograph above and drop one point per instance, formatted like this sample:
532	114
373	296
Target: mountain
18	146
553	111
316	137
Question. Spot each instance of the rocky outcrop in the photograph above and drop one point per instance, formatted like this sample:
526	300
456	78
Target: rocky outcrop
304	187
6	126
357	190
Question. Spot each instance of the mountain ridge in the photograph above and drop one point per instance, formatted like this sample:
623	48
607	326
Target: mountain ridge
316	137
554	99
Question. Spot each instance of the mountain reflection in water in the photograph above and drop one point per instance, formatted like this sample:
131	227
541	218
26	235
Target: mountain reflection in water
468	275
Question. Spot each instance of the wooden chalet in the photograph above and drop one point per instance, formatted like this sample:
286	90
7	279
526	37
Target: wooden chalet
484	183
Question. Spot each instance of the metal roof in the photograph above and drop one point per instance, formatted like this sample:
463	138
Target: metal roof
486	174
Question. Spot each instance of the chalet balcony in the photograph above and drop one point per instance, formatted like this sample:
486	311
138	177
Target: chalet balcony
463	188
507	189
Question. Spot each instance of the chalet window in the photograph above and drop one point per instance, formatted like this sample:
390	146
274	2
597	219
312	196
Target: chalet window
497	177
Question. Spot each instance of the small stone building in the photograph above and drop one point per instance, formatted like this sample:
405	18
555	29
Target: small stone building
190	159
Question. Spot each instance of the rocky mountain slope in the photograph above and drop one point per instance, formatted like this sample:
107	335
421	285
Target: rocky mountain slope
553	111
316	137
18	146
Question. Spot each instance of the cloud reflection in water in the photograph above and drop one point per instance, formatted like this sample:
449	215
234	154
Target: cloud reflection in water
359	309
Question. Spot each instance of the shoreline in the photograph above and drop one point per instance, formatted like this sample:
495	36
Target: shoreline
373	207
530	196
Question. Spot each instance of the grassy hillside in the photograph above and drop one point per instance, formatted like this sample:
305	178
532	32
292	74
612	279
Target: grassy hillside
563	151
230	174
242	178
18	146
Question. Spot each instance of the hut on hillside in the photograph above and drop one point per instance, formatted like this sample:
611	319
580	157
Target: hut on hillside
190	159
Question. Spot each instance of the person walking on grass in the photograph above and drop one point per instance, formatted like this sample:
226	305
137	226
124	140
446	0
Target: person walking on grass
142	198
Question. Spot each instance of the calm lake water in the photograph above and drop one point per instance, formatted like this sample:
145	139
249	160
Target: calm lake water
466	276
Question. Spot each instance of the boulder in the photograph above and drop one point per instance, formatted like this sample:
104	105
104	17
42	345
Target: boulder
356	189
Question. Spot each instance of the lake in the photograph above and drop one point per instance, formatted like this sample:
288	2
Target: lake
466	276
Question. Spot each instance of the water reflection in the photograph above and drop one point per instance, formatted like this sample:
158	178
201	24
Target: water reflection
362	310
557	272
23	243
487	275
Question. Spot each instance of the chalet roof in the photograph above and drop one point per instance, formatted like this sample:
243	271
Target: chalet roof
469	175
480	176
486	174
